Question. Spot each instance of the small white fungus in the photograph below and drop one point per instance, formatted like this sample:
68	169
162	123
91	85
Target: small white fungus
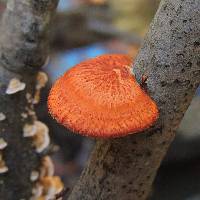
34	175
52	186
3	167
42	79
15	85
29	97
41	138
3	144
2	116
40	133
24	115
29	130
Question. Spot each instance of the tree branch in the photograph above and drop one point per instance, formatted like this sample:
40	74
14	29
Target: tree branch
125	168
23	50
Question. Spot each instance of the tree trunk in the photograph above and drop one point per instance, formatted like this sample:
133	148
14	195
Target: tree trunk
23	50
125	168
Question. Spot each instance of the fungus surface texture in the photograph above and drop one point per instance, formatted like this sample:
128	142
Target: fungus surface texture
100	97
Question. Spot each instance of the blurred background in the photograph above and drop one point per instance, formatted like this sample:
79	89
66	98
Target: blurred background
86	28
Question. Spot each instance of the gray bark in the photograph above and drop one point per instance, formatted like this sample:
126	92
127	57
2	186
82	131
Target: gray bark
125	168
23	50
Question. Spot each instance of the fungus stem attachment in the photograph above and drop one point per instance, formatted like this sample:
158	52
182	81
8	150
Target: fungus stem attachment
144	81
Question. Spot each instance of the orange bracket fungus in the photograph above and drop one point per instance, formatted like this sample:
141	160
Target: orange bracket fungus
101	97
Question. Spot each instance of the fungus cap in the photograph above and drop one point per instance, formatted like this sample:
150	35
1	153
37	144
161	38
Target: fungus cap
100	97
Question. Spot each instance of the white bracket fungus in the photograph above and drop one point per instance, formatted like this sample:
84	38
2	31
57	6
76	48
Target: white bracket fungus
3	144
34	175
41	139
29	130
52	185
40	133
3	167
24	115
42	79
2	116
47	188
15	85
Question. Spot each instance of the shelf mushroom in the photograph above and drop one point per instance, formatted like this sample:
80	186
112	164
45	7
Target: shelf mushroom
101	97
